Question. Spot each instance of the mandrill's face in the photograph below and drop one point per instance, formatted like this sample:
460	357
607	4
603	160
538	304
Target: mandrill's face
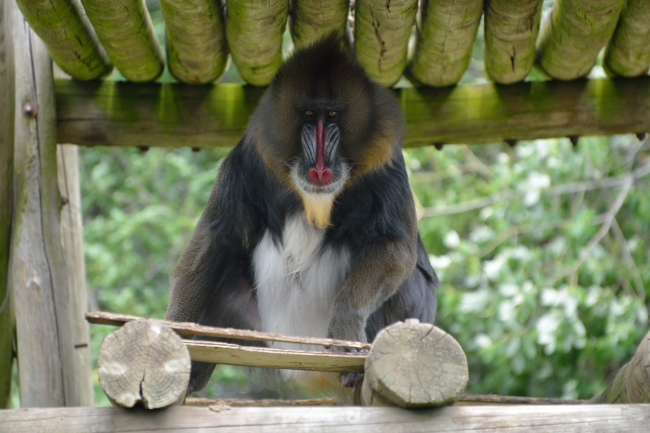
319	169
322	123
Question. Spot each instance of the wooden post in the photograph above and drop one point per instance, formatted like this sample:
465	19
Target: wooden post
445	37
254	32
6	198
632	382
381	36
40	277
72	238
195	40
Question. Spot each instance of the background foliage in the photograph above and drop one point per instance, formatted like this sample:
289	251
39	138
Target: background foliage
542	249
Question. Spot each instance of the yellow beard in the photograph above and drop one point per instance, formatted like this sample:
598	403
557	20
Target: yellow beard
318	209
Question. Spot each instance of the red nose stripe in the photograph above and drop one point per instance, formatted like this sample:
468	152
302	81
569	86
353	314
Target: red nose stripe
320	146
320	175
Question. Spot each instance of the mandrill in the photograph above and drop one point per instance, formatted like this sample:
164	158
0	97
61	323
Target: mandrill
310	229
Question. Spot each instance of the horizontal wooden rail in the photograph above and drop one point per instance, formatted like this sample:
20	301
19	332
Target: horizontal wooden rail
264	357
175	115
482	419
190	329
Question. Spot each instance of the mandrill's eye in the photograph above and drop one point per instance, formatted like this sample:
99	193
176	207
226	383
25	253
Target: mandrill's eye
309	113
332	114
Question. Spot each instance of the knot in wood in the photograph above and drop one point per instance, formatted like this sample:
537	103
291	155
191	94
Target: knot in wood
30	109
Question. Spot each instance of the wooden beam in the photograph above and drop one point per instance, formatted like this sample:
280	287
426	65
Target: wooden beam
7	95
511	29
39	275
444	41
168	115
628	52
195	40
573	34
264	357
72	239
254	32
381	36
64	28
126	32
193	329
310	20
463	419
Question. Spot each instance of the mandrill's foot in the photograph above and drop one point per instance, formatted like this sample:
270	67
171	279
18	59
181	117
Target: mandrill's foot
350	380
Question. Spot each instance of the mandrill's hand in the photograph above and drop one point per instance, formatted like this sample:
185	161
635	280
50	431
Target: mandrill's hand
350	380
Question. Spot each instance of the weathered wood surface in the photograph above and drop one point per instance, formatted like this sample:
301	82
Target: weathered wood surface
206	402
195	40
125	30
414	365
144	363
167	115
444	40
310	20
381	35
632	382
254	32
477	419
511	29
65	29
39	274
628	52
72	238
193	329
6	198
263	357
573	34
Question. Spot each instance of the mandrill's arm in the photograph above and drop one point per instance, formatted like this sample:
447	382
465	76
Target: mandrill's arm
215	245
377	272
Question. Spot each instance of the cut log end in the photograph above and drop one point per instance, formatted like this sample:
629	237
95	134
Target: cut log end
414	365
144	363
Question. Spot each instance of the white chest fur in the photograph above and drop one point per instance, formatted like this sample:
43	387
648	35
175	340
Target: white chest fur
297	281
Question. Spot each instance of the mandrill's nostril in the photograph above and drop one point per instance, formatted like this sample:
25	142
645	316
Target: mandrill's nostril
320	176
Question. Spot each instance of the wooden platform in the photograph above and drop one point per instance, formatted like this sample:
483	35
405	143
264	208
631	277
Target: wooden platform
511	419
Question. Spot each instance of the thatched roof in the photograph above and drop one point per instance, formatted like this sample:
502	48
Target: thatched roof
200	35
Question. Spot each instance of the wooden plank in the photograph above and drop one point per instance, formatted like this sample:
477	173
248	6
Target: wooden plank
68	35
263	357
477	419
311	20
39	276
573	34
193	329
195	40
254	32
445	37
166	115
628	52
125	30
511	29
6	198
381	35
72	238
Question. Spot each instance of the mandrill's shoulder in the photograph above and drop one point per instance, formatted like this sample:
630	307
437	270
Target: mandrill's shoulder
376	205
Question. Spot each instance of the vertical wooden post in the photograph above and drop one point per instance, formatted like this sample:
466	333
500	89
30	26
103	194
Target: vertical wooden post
73	245
6	198
40	278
